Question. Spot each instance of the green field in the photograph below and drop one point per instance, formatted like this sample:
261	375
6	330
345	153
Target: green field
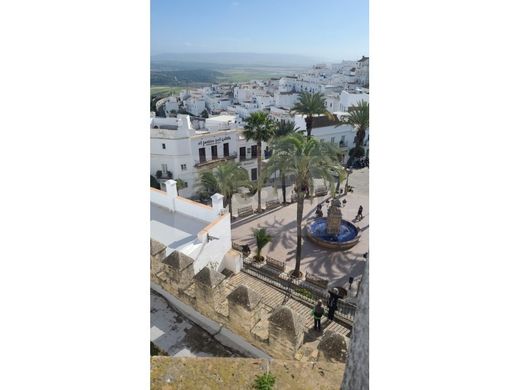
164	90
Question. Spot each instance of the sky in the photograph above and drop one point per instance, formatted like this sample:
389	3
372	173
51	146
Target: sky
326	29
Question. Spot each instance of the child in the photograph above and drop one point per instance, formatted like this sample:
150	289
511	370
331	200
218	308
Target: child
318	312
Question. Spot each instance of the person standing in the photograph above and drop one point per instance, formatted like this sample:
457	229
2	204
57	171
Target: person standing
317	313
332	304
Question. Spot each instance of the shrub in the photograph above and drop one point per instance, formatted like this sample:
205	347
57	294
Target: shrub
264	381
158	174
357	152
262	238
154	183
181	184
170	174
155	351
303	291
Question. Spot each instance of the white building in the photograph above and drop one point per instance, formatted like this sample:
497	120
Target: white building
183	151
285	99
347	99
327	130
195	106
201	232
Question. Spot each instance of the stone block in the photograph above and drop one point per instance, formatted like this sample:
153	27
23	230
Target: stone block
285	331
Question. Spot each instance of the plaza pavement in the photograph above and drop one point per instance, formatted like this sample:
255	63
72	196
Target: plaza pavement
335	266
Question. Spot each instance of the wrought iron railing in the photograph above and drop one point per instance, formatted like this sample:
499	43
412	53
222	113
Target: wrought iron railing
298	289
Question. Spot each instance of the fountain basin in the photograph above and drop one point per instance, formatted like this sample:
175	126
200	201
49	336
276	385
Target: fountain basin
347	237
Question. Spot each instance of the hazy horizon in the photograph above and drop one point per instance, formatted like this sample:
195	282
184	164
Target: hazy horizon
336	30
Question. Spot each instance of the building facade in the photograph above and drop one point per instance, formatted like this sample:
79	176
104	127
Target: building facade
182	152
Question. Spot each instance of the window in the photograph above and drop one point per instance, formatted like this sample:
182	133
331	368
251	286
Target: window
183	167
342	139
164	146
242	153
214	154
253	151
202	155
226	150
332	139
253	174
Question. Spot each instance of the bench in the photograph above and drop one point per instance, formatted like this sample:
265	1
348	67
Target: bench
316	281
276	264
245	211
271	204
320	191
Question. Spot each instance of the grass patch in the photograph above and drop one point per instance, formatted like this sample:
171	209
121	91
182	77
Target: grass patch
264	381
164	90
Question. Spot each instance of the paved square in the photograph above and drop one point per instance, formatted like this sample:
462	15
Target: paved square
336	266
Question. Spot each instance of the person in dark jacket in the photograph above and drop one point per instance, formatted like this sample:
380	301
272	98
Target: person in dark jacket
332	304
317	313
359	215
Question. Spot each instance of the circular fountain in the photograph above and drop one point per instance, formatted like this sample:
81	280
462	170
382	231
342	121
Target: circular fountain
333	232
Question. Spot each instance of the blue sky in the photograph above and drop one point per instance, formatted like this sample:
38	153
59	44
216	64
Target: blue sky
329	29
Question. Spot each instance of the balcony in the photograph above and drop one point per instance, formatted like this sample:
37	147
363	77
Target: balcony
215	160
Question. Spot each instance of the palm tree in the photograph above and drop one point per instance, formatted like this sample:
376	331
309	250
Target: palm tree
226	178
259	128
310	104
359	119
306	158
262	239
284	128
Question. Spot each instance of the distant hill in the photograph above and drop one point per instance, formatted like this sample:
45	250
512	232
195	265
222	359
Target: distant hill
258	59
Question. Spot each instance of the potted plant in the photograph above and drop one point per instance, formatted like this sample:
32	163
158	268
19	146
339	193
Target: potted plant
262	238
170	174
158	174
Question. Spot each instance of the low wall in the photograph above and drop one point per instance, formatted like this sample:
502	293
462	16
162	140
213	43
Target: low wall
221	334
194	209
160	198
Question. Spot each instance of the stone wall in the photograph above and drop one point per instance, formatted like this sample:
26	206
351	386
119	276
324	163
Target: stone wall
241	311
285	331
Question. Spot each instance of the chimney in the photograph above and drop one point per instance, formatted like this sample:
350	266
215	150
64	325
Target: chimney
217	202
171	192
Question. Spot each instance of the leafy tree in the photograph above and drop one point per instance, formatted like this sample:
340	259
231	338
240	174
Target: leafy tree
358	118
259	128
154	183
204	114
262	238
310	104
226	178
307	159
181	184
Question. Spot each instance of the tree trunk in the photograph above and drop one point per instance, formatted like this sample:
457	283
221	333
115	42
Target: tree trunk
299	214
360	137
230	207
308	123
258	181
283	188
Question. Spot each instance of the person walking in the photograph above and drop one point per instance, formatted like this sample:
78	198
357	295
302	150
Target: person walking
332	304
359	215
318	312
